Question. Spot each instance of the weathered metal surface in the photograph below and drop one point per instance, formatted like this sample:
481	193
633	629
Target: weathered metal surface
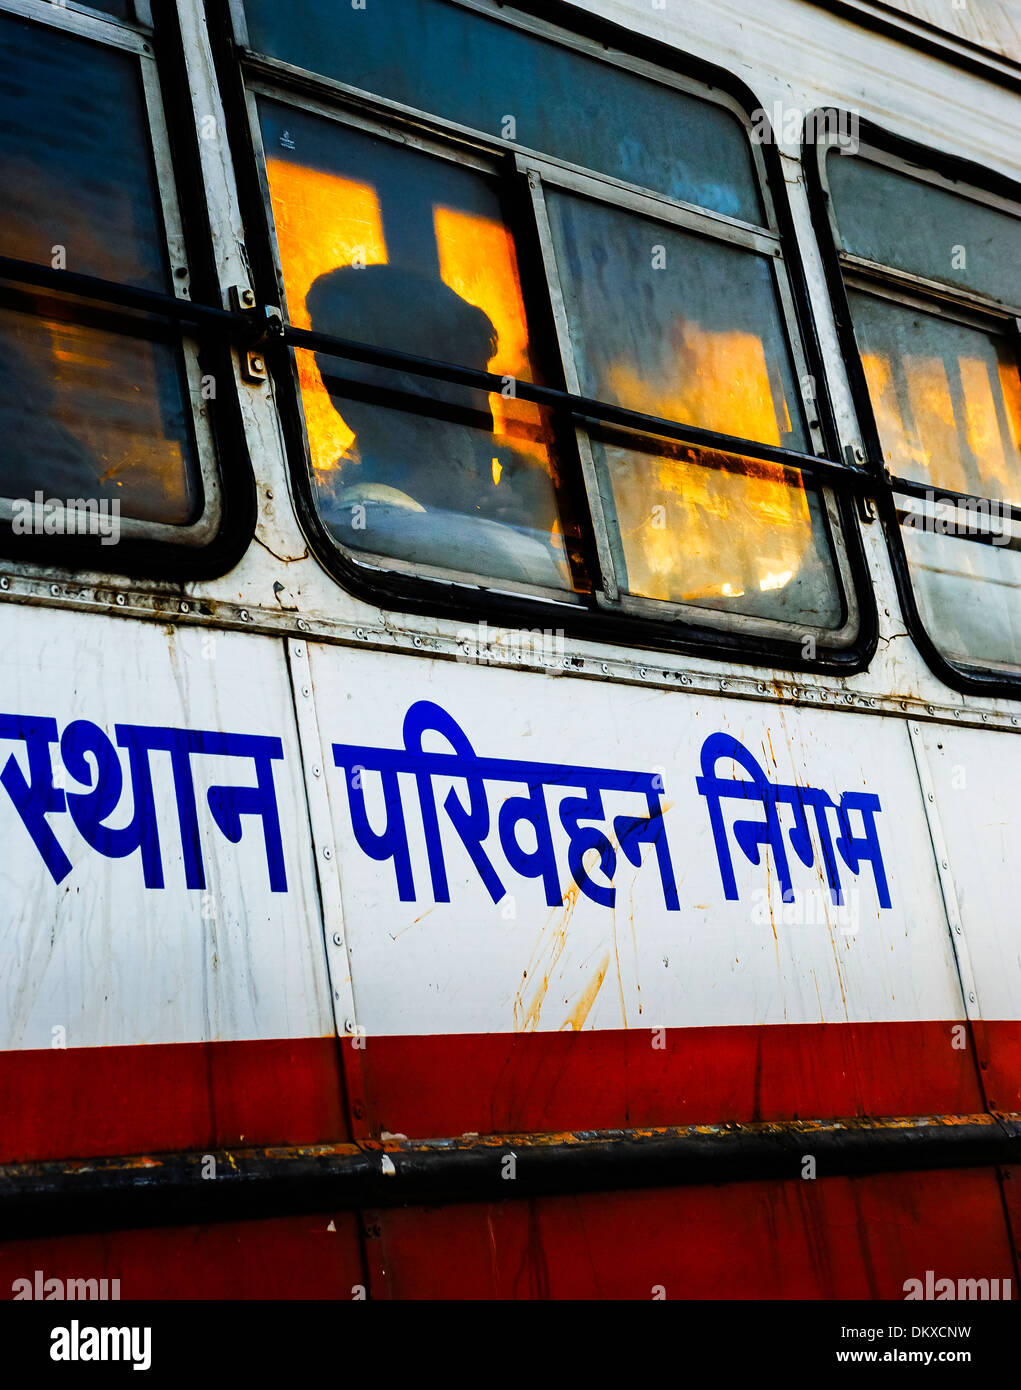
179	1018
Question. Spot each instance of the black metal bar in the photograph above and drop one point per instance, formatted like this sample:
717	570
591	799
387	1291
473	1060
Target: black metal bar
234	325
177	1189
586	407
928	492
264	326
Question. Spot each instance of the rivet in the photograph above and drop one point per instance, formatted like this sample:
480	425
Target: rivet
604	668
359	632
930	709
723	685
243	615
327	852
642	673
945	864
971	997
317	772
5	583
957	715
416	641
269	493
984	718
349	1025
305	691
120	599
685	680
185	607
761	688
303	625
54	589
338	940
931	797
299	650
957	929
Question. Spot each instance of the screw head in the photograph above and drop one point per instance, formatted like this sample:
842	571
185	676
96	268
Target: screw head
338	940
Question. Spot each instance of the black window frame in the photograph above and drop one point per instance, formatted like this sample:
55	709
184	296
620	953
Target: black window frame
242	69
965	178
186	315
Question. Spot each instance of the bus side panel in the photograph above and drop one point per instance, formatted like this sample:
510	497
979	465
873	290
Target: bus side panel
163	981
977	786
499	994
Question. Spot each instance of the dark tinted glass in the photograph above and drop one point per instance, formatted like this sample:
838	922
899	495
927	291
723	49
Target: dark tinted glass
889	217
481	73
88	413
386	245
76	172
120	9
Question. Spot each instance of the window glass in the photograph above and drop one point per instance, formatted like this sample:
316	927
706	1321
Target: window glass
385	245
89	413
86	412
946	396
968	592
120	9
676	325
75	165
479	72
891	218
701	527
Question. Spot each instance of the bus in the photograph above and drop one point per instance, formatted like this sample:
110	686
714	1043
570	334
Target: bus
532	815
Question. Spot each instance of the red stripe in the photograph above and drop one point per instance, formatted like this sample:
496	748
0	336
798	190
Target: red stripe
121	1100
828	1238
86	1101
287	1257
498	1082
847	1238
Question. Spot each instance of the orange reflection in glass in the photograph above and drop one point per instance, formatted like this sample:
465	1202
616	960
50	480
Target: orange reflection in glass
478	261
683	524
953	438
322	222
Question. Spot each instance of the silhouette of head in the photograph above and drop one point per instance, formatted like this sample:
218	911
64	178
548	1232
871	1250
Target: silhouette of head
391	307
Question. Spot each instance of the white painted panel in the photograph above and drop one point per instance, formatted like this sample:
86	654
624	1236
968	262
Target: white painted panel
977	779
100	954
472	964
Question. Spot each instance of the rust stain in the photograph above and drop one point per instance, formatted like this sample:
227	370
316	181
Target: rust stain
583	1007
551	944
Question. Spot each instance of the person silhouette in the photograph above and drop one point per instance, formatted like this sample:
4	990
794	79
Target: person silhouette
438	455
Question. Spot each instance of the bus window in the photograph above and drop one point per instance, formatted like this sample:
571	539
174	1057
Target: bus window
631	218
400	249
95	405
944	391
681	326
